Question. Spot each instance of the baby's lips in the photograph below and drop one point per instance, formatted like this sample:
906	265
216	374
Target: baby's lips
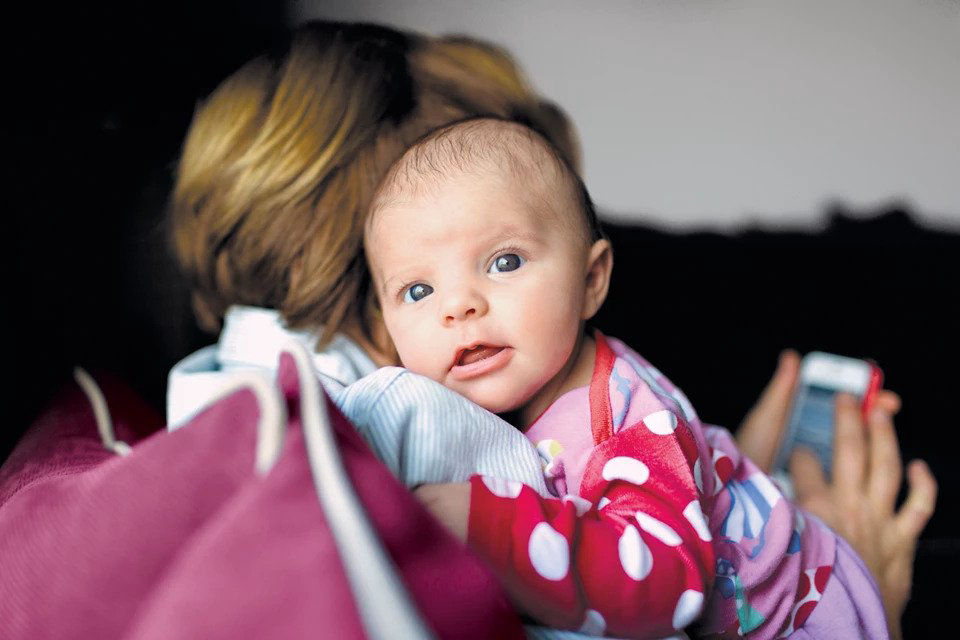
480	360
462	351
479	352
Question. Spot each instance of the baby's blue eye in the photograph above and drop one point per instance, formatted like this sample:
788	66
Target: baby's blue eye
506	262
417	292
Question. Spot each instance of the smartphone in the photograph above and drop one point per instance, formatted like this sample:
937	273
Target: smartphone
811	419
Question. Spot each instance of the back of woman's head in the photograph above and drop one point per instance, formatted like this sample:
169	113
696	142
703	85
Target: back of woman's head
280	163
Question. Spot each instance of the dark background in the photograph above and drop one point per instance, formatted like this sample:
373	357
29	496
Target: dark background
883	288
102	98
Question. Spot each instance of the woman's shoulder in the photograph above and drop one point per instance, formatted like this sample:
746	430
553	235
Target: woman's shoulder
191	383
251	340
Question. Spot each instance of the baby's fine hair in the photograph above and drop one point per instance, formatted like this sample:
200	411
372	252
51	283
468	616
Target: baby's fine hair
475	144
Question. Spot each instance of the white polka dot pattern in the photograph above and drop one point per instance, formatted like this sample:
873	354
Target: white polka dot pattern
624	468
662	423
657	529
694	513
688	608
582	505
502	488
549	552
646	466
594	623
635	556
698	475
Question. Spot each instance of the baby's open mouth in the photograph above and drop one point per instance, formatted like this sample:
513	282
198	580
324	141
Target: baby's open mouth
480	352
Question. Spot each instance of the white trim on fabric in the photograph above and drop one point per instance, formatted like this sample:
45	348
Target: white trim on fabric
382	601
101	413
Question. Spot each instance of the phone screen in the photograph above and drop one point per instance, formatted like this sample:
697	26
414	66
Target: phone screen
812	422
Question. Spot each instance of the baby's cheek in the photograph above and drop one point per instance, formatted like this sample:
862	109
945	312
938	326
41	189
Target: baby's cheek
418	354
552	323
401	339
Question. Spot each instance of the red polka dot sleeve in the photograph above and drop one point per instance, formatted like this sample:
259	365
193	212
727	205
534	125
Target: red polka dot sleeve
630	556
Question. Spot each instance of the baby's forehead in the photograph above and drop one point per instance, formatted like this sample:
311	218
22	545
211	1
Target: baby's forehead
490	152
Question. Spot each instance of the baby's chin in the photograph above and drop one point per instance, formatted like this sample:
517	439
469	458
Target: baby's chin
496	393
496	403
493	406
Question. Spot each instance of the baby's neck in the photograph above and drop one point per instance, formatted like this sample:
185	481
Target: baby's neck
577	372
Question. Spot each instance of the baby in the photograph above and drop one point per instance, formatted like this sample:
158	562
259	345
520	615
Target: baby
488	260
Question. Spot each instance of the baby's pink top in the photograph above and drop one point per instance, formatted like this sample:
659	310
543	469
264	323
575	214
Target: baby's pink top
657	520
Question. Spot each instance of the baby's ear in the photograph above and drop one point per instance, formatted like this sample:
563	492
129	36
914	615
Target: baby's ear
599	268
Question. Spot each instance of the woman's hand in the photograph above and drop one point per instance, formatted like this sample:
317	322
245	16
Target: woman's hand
867	472
859	503
449	503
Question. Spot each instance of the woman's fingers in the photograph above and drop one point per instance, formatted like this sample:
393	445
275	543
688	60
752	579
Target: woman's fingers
850	449
888	401
807	475
760	431
886	468
920	503
812	491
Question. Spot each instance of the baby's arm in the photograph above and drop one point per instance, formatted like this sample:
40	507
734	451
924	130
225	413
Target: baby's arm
631	556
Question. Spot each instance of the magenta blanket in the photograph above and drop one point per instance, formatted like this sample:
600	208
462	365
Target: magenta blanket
182	539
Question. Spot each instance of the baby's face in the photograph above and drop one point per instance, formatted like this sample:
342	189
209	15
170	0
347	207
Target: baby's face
482	283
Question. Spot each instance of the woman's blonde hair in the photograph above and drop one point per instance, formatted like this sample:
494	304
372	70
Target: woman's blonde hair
280	163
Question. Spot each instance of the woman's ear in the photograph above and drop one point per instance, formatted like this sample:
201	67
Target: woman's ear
599	268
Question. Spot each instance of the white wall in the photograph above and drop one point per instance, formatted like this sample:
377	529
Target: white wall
713	113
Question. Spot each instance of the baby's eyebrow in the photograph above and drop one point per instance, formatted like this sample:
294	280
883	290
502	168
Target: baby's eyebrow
513	235
385	288
389	284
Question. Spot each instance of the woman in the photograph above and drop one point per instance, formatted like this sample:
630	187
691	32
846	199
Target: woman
267	219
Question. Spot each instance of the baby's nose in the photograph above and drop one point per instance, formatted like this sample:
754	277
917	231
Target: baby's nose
462	306
461	316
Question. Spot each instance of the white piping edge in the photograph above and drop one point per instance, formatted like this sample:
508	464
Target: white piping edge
101	413
385	607
271	425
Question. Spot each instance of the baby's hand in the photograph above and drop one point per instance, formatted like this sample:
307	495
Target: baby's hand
449	503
